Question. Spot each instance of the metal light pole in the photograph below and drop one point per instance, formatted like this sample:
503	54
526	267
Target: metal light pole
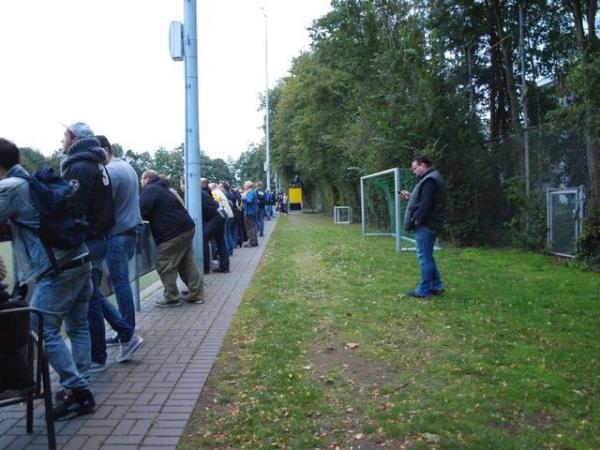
193	195
184	46
267	112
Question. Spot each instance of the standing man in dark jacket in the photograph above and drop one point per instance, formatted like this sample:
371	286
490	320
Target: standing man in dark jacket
425	215
214	218
173	232
84	167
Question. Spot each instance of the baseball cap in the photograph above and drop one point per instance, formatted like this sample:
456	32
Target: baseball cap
81	130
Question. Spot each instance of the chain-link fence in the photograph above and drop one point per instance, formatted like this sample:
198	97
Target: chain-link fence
514	181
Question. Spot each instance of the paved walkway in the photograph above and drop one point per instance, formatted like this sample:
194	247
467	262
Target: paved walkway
147	402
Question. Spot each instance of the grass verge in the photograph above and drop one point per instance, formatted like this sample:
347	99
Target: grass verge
325	352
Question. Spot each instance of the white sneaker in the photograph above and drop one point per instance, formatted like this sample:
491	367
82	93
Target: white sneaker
97	367
129	348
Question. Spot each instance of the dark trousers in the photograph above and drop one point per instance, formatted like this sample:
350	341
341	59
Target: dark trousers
214	228
251	228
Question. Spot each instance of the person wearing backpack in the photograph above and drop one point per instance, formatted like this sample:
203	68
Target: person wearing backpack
83	166
62	285
262	204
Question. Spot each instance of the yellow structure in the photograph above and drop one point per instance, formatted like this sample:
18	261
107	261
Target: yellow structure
295	199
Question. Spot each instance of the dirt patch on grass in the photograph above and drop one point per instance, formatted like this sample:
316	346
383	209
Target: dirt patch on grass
537	421
331	358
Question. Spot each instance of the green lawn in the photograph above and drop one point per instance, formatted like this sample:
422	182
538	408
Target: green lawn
508	358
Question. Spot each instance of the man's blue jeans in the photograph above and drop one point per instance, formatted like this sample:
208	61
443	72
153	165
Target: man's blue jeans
65	296
260	221
229	225
430	276
98	303
120	250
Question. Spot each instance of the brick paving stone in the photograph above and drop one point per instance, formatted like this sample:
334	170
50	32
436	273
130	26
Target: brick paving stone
76	442
146	403
6	440
161	440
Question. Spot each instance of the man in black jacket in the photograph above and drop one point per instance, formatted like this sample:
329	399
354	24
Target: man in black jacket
425	215
213	227
173	232
84	167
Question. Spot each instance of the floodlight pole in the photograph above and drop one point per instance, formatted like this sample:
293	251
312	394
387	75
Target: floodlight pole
267	112
193	193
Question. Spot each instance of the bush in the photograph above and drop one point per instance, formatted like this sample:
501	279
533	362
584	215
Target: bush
527	227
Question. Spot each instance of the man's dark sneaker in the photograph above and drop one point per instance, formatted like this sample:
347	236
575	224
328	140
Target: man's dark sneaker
73	403
415	294
437	291
164	303
221	270
195	300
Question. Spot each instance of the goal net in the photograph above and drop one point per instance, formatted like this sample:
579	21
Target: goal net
382	209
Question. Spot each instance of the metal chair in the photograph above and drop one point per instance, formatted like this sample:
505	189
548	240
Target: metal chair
24	372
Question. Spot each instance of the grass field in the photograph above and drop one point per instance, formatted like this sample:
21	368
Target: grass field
326	353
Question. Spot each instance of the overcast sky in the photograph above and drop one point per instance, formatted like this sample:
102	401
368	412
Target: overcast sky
107	63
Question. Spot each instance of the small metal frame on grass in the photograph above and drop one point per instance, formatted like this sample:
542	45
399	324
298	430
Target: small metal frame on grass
342	214
565	213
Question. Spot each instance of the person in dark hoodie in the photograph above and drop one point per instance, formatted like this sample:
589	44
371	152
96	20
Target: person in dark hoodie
173	232
425	215
83	166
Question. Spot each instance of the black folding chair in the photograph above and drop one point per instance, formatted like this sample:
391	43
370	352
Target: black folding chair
24	372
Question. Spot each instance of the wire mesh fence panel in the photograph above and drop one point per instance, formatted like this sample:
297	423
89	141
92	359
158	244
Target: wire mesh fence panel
564	220
506	202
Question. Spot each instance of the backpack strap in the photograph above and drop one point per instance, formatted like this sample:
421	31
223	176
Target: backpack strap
36	231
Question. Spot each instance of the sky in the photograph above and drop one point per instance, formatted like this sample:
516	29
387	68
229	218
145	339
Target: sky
107	63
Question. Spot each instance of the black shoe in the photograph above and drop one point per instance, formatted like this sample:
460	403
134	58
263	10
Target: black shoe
415	294
221	270
73	403
248	245
260	234
437	291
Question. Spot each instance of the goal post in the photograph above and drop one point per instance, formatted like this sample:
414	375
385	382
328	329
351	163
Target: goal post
382	208
381	205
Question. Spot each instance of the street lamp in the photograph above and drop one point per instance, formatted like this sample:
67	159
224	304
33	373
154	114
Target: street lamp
183	44
267	112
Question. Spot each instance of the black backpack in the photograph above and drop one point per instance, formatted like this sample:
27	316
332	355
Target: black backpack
61	226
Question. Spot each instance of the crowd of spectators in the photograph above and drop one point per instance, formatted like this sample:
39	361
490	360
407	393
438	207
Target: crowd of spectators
109	202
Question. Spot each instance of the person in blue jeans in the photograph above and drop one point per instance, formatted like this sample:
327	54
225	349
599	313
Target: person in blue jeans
262	204
84	167
62	296
425	215
122	243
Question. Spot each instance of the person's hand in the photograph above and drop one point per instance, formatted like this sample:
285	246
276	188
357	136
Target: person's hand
405	195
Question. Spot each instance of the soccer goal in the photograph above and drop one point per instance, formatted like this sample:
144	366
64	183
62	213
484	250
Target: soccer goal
342	214
382	209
